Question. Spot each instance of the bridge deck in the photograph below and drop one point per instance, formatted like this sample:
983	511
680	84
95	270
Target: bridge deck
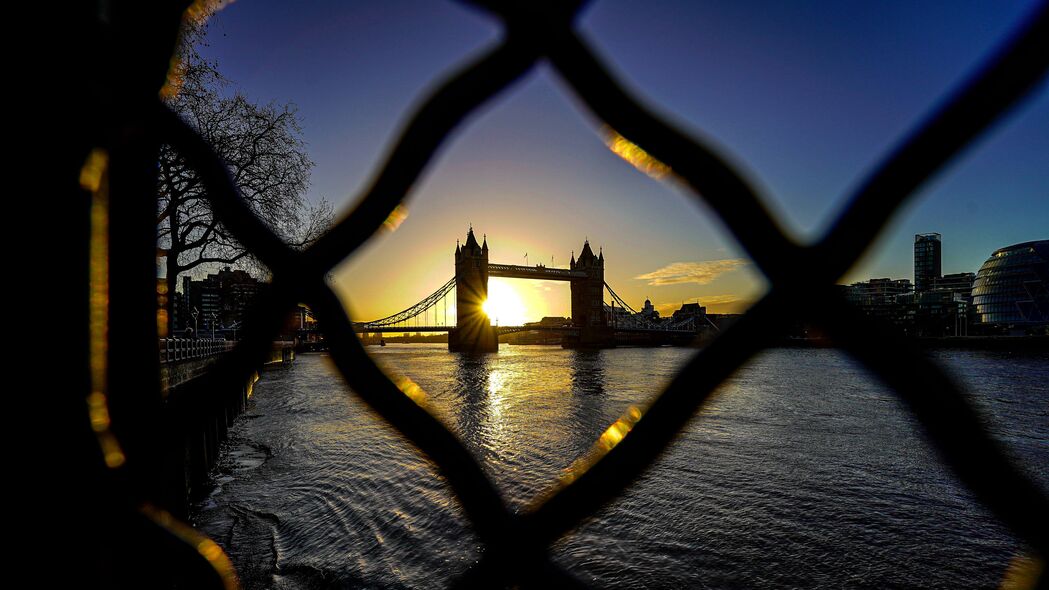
513	271
502	329
403	329
506	329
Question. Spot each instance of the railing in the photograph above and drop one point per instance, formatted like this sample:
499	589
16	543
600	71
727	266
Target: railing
801	278
181	349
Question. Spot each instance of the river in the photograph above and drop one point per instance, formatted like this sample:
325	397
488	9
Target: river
803	471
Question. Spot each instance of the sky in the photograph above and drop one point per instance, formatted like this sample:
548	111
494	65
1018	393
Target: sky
805	97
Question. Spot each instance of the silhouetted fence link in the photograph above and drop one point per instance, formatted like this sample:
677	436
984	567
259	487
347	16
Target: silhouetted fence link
801	278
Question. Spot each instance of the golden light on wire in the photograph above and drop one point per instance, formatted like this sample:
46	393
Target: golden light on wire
634	155
94	178
608	440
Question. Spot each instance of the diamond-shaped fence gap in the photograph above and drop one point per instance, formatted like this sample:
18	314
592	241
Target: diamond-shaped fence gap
531	196
832	436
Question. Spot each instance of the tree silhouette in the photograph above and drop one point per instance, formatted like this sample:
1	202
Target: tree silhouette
262	145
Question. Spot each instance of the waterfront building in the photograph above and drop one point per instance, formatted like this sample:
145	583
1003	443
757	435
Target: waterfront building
927	252
216	303
1011	290
959	282
932	313
691	310
879	297
877	291
941	309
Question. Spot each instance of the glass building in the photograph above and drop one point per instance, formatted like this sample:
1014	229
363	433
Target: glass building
926	260
1012	288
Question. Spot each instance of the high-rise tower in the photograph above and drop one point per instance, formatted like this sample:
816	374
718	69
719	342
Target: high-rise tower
926	261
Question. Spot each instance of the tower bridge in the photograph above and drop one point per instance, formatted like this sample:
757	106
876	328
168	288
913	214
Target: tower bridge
594	324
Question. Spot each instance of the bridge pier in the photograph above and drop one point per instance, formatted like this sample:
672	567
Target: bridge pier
591	337
477	338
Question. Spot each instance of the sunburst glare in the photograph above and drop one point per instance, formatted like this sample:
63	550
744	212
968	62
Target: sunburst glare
504	305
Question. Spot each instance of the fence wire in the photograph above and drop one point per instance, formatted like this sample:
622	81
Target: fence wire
802	278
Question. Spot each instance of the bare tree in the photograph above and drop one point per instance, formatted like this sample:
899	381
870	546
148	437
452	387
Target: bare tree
263	147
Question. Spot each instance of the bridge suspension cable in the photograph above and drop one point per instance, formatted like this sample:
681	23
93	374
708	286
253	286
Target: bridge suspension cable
619	299
420	308
636	320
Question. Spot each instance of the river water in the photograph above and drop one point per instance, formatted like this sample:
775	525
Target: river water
802	472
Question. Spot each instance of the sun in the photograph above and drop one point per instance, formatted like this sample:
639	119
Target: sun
504	306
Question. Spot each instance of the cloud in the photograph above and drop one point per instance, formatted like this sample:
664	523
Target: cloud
692	272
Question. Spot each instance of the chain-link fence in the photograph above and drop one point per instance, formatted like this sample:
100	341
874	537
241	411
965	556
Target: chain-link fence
132	121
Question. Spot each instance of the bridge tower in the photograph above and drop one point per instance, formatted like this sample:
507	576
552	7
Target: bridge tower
473	331
588	313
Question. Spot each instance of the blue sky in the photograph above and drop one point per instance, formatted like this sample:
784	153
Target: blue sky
805	96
